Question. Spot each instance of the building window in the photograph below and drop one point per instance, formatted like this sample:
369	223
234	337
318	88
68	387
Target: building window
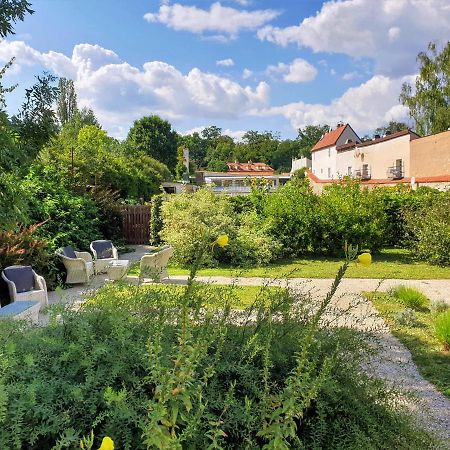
329	172
329	152
321	170
349	171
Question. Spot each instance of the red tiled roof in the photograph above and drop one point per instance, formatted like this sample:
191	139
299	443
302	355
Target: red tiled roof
330	138
248	167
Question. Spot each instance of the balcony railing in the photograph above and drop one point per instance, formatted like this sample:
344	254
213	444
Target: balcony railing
395	172
363	174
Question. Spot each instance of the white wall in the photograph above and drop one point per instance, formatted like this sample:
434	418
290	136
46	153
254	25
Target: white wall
300	163
345	160
326	158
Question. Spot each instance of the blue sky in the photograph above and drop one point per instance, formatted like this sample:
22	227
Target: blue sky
237	64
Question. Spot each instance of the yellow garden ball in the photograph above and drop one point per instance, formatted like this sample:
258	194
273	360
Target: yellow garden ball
107	444
222	240
365	259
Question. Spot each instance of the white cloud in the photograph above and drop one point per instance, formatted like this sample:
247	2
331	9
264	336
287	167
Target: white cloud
349	76
120	93
365	107
220	20
247	73
298	71
372	29
228	62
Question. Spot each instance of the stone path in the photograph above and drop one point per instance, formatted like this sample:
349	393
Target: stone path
393	361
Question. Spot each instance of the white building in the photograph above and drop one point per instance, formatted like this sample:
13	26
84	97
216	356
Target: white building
324	154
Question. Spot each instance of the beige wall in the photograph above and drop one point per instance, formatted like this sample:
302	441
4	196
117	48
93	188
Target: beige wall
430	155
383	155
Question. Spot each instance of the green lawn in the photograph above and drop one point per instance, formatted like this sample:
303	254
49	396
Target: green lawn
427	352
391	263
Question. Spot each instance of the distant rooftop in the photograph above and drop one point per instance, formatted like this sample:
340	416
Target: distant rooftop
248	167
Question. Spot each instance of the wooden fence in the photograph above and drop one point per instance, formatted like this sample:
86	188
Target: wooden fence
136	224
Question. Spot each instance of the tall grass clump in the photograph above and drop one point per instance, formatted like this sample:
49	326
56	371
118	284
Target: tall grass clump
410	297
442	328
159	369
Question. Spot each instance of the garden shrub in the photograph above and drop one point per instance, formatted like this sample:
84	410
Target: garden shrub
151	370
291	213
349	213
428	225
410	297
253	244
442	328
191	218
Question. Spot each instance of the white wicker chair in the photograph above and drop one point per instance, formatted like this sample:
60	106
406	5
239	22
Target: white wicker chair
98	249
36	291
154	265
79	269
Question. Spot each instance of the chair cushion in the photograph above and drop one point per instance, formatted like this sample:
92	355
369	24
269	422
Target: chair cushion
69	252
104	249
21	276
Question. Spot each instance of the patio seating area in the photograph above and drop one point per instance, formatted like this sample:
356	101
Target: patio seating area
85	271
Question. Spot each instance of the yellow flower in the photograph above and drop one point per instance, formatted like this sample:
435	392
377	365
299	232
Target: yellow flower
222	240
365	259
107	444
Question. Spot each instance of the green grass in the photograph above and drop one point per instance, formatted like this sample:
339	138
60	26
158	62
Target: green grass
390	263
432	360
243	295
410	297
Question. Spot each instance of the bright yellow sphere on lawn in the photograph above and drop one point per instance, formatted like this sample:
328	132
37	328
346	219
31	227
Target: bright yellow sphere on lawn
222	240
365	259
107	444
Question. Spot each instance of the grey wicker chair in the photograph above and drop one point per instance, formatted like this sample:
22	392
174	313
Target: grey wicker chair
79	265
24	284
104	252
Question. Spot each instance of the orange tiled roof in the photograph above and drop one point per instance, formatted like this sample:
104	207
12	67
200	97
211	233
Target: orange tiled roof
330	138
248	167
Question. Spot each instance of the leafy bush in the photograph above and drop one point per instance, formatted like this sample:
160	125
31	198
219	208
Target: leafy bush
291	213
410	297
253	245
189	219
152	370
428	226
442	328
349	213
72	218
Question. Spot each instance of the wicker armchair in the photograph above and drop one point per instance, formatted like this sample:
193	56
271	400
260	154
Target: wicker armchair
104	252
79	265
24	284
154	265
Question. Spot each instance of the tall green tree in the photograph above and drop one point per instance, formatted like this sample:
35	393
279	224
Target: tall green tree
391	127
37	122
156	138
429	99
309	136
67	101
11	11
